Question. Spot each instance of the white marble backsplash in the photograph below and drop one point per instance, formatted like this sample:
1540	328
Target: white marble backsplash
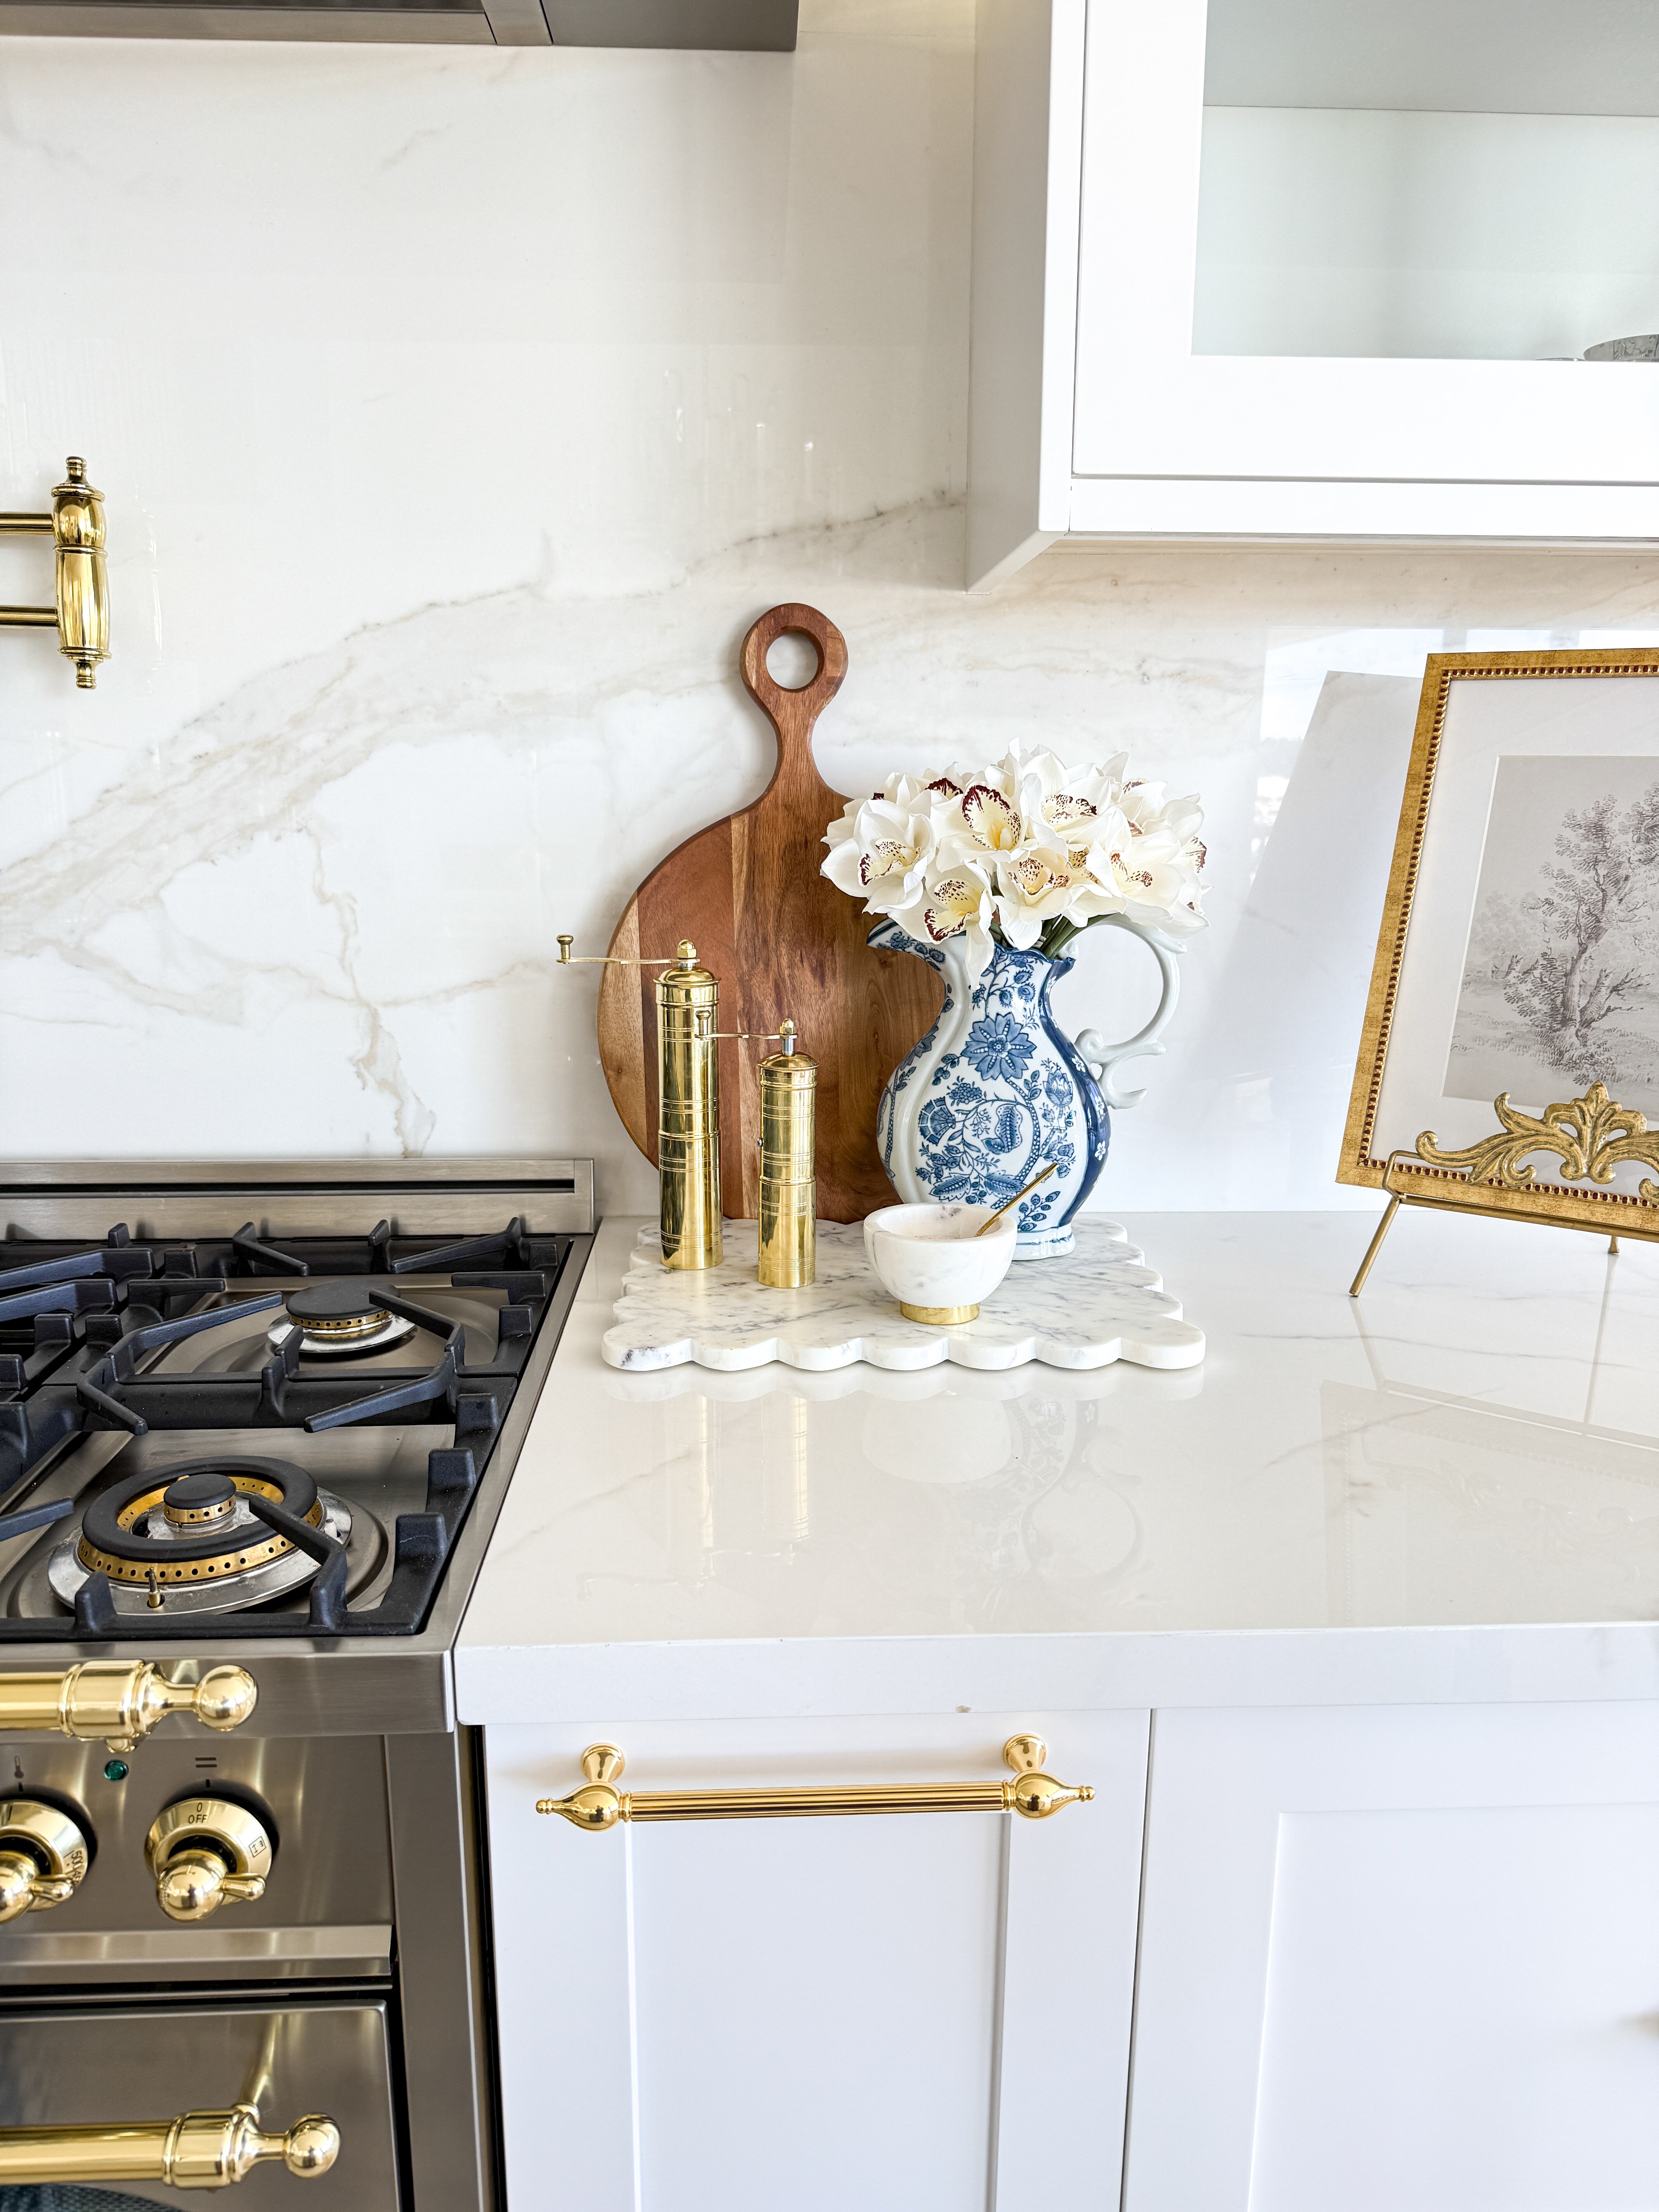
457	411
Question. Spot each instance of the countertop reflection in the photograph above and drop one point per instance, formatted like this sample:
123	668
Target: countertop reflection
1473	1443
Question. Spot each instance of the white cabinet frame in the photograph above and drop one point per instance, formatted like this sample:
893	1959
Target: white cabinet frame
1224	1785
584	2097
1090	416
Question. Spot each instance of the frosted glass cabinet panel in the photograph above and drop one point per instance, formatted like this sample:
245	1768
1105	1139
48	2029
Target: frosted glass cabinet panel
1394	233
1258	269
1471	180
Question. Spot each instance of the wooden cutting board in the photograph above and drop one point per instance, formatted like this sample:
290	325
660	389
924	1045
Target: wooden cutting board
782	941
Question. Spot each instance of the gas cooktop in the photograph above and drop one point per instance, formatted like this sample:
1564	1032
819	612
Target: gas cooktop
254	1432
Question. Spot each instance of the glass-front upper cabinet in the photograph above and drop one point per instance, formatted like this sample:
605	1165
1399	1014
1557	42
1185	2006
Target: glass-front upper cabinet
1429	180
1309	268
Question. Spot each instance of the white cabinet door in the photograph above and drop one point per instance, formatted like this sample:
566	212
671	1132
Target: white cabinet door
1399	1960
929	2013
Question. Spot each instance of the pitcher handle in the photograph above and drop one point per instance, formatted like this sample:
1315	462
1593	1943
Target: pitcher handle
1101	1058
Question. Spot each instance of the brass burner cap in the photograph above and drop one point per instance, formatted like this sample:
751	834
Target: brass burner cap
199	1500
342	1312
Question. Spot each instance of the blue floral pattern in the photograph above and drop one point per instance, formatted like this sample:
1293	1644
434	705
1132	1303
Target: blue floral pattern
997	1047
1015	1094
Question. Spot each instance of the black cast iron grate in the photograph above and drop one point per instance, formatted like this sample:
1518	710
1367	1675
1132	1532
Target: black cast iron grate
79	1330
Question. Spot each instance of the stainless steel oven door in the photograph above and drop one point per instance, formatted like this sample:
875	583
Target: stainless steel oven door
89	2094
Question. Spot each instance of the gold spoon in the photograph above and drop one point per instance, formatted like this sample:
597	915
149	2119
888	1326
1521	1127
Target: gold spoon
1041	1177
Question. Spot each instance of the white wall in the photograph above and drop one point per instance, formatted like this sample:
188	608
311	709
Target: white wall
457	412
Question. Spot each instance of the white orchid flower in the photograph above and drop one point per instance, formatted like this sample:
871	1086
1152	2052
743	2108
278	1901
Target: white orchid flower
1035	885
980	824
1044	774
1183	818
954	903
1005	851
879	850
1151	874
906	791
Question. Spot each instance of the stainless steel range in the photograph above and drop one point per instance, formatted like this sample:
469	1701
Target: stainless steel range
255	1427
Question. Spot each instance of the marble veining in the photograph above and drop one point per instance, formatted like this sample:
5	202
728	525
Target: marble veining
457	411
1096	1305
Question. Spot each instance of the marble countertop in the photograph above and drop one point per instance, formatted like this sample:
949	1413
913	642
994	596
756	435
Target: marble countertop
1446	1490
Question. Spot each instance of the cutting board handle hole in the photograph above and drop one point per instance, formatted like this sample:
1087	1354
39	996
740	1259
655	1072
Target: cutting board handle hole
811	662
794	661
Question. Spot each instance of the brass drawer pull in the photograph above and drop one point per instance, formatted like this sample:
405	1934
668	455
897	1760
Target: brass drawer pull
121	1700
599	1805
199	2150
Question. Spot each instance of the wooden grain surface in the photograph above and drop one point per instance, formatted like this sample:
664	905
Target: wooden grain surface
782	940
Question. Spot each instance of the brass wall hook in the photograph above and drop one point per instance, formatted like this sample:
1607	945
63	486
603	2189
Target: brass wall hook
81	617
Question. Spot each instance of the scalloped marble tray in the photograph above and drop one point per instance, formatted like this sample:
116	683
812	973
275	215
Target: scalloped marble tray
1096	1305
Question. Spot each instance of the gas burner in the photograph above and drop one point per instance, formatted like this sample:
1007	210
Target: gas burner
182	1539
339	1321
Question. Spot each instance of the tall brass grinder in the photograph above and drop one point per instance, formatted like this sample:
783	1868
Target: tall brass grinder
687	1101
688	1038
688	1112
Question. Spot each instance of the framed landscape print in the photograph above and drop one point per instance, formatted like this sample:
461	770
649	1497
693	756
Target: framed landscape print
1510	1059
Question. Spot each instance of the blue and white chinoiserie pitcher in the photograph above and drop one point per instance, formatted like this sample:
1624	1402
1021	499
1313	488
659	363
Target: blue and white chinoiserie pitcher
996	1088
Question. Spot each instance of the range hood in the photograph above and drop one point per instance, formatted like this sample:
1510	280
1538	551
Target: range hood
731	26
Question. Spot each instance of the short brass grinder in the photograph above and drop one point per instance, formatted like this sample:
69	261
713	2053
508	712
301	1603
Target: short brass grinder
788	1188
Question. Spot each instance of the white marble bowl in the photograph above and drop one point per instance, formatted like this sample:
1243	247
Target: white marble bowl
932	1261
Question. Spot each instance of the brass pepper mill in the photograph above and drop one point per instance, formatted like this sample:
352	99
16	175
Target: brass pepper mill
788	1188
689	1102
688	1112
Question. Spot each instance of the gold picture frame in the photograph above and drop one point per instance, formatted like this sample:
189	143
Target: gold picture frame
1496	1171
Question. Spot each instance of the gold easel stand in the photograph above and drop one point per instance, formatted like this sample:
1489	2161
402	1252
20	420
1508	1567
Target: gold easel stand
1591	1136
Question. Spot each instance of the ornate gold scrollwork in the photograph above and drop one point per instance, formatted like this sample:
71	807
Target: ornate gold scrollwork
1590	1136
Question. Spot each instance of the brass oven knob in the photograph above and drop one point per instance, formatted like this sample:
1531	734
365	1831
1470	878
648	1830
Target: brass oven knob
205	1852
43	1856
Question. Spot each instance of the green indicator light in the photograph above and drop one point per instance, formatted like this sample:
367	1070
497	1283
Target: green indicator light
115	1770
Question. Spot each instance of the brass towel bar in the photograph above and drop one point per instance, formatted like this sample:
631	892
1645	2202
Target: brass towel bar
601	1805
122	1700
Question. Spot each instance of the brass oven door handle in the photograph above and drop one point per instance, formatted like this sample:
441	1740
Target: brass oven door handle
199	2150
121	1700
1032	1792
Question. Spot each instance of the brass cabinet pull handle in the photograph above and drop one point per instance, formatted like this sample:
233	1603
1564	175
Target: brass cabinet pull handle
199	2150
121	1700
80	616
599	1805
